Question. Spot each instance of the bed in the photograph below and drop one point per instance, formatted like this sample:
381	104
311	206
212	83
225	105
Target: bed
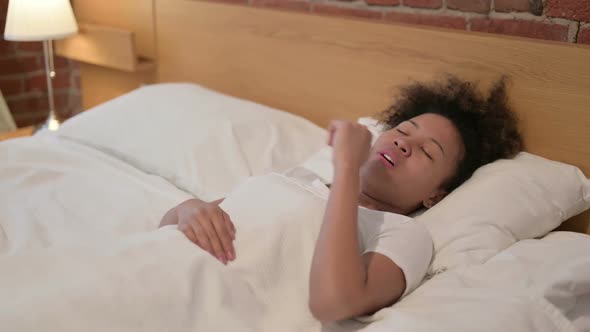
79	209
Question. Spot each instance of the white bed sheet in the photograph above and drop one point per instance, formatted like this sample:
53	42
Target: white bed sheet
75	221
534	285
53	191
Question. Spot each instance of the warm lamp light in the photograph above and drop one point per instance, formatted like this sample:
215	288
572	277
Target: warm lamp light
41	20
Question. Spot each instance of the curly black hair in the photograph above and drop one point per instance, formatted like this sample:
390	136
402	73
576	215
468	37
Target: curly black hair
488	127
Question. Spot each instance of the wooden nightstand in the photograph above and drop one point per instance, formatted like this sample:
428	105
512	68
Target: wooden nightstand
20	132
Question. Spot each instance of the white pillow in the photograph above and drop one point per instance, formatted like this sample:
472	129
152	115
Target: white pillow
504	202
202	141
373	125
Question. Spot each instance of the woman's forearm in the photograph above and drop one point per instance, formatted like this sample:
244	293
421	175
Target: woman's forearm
337	273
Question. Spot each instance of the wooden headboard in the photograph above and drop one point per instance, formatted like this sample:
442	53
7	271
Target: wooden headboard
326	67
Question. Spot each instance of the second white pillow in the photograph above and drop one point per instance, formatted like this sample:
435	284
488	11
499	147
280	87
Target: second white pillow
504	202
202	141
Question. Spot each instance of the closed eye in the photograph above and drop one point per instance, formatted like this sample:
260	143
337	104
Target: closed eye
427	155
402	132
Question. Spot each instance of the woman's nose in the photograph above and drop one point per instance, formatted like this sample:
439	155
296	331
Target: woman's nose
404	147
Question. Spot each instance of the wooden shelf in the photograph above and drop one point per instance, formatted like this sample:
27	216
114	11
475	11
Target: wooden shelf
20	132
144	64
104	46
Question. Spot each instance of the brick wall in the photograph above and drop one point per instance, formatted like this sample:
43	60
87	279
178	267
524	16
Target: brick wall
23	83
22	76
560	20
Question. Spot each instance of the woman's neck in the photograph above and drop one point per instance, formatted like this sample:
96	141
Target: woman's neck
373	203
369	202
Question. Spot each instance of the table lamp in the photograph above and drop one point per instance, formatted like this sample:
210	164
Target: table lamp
41	20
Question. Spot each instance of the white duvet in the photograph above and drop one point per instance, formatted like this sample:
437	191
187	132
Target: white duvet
80	251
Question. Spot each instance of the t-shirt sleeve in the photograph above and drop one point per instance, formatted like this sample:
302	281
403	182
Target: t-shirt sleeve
409	245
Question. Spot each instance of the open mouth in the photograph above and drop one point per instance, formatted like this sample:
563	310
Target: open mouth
387	158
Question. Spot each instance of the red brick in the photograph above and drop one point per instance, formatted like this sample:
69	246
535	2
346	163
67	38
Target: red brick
36	83
512	5
3	9
33	119
64	114
76	111
39	82
296	5
31	104
6	48
242	2
578	10
383	2
61	79
478	6
77	82
11	86
65	104
35	105
74	65
60	100
75	102
453	22
531	29
60	62
434	4
343	11
531	6
20	65
36	47
584	35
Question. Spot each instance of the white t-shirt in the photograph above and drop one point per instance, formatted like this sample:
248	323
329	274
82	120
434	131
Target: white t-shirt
402	239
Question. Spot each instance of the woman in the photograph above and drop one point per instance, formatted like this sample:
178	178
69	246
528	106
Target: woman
437	136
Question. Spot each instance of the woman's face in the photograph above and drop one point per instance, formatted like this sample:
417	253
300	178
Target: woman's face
409	164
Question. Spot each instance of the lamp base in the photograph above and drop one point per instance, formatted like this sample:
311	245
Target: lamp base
51	124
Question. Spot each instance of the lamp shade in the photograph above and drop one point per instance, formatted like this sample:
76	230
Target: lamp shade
36	20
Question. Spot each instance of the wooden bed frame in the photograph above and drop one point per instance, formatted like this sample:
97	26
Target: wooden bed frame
327	67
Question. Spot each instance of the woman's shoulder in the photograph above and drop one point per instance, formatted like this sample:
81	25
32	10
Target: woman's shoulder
393	224
411	224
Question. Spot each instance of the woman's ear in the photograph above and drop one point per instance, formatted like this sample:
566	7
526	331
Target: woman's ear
434	198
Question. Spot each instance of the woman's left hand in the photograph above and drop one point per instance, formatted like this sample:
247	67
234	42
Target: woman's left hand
351	143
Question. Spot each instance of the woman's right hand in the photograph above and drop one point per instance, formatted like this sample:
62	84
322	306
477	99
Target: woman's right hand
208	226
351	143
